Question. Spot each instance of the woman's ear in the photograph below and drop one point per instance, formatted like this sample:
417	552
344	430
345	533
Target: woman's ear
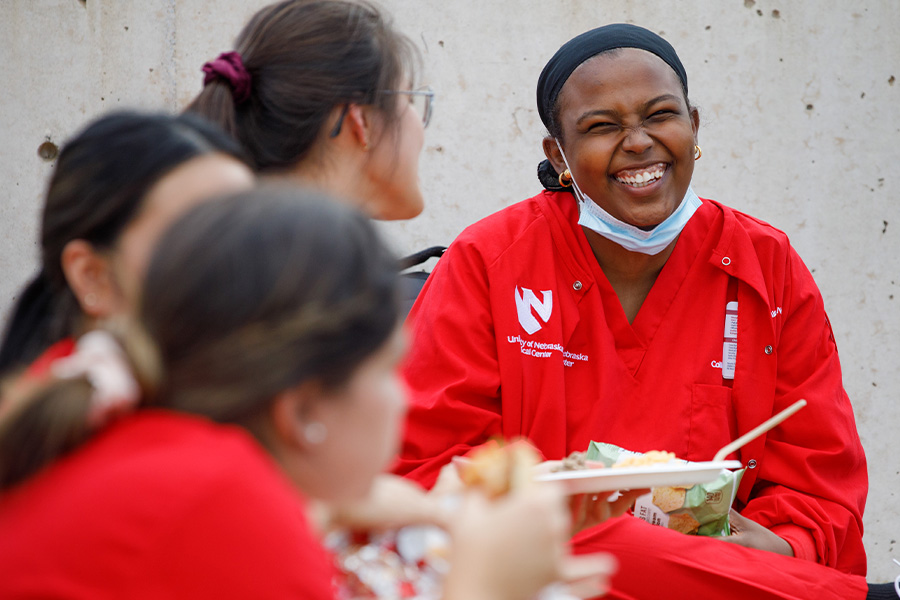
89	276
551	151
695	122
360	124
293	417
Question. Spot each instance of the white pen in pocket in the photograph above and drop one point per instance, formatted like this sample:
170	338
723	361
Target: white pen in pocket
729	344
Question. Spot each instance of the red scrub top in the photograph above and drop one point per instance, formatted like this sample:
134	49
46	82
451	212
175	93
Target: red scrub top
160	505
518	332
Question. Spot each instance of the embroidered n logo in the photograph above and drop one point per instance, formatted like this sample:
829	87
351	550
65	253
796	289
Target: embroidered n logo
525	301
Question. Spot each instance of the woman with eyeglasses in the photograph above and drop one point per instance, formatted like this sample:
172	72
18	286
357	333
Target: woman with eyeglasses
322	93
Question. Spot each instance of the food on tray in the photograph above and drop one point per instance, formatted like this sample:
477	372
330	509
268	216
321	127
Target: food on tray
684	523
653	457
496	469
577	461
669	498
700	509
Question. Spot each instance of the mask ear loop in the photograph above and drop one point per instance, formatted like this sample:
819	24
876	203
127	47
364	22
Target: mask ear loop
578	192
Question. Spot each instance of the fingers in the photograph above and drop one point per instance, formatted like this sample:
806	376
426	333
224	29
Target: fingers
588	576
575	568
449	481
624	502
512	544
550	499
588	510
460	461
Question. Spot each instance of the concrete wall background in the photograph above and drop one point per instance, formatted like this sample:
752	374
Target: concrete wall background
799	128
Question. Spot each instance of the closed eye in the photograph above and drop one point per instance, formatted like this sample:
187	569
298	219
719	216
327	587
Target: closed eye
601	126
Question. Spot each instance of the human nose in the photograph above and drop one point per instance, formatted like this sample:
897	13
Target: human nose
636	140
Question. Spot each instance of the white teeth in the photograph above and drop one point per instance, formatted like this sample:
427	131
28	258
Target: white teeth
643	178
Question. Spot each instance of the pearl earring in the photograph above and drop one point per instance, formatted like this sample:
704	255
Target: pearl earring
90	299
315	433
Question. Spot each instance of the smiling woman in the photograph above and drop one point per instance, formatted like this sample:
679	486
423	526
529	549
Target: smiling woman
696	323
632	148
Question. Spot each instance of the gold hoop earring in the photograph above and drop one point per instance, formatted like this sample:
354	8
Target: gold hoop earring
697	152
565	178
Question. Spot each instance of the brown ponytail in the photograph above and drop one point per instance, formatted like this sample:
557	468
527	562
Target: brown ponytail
305	58
44	417
40	421
216	103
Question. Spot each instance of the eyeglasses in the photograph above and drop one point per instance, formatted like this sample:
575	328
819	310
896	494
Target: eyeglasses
421	99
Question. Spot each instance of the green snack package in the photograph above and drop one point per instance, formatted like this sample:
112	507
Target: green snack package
701	509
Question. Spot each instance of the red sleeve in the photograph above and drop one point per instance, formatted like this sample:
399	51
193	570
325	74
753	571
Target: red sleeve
813	485
248	537
452	369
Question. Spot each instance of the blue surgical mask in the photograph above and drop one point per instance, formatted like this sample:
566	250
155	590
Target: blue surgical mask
628	236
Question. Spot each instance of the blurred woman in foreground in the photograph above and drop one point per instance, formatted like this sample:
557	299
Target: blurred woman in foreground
171	467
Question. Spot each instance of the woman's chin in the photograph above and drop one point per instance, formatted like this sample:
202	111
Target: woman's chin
648	227
646	220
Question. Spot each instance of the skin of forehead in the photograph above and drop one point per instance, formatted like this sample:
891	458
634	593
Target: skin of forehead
618	54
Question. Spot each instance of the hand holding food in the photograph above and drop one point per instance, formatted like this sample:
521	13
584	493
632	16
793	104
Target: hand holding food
514	545
499	469
528	524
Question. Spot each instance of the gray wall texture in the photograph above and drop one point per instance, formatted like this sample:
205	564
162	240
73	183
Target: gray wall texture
799	127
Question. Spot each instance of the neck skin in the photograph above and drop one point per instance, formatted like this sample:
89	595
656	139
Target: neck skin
337	171
631	274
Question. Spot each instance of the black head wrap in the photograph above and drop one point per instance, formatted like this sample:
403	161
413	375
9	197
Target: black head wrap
579	49
590	44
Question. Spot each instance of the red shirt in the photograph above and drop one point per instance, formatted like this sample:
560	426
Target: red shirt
518	332
41	365
160	505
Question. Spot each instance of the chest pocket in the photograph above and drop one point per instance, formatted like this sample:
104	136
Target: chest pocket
713	422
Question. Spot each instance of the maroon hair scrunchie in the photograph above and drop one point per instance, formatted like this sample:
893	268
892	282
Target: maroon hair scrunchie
230	67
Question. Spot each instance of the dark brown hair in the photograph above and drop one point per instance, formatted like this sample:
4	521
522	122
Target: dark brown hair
304	58
283	286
